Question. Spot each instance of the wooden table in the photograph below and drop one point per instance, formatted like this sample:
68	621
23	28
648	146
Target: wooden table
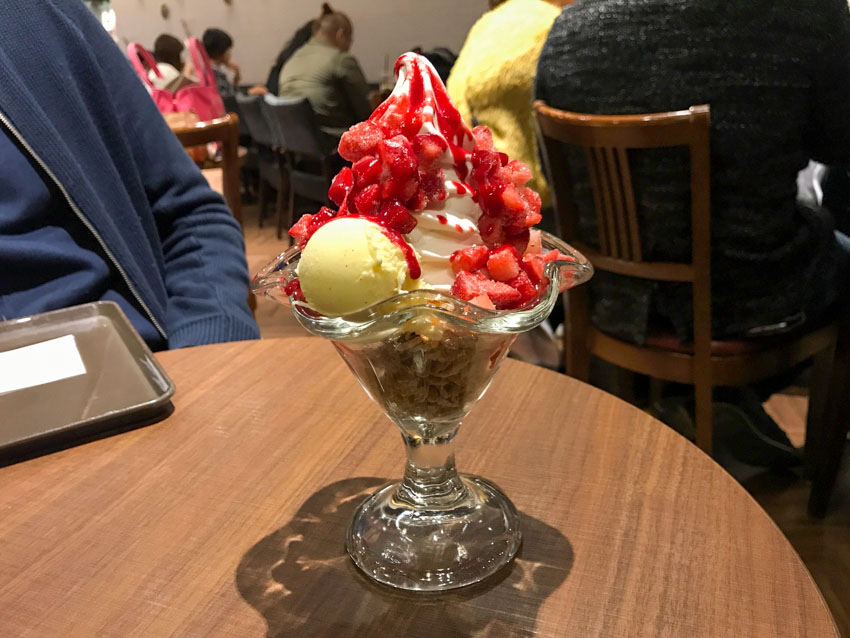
227	519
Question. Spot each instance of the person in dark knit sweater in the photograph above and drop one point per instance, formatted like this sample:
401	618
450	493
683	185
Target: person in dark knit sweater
776	74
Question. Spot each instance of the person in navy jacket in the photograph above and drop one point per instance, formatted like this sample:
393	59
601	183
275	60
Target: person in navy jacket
98	200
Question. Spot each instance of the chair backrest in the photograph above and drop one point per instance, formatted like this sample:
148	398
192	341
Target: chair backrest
295	124
605	140
251	110
226	131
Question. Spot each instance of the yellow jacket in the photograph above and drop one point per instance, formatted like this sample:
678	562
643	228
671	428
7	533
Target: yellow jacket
492	82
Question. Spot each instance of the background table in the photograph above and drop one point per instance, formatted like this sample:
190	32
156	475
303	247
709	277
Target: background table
227	519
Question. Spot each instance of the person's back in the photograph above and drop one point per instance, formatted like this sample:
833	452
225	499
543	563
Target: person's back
492	80
777	77
328	76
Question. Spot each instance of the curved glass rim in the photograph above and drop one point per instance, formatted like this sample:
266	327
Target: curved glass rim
396	310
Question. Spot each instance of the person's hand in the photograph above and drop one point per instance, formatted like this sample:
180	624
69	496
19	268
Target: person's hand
257	89
237	73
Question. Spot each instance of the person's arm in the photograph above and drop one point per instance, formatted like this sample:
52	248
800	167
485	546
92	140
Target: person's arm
356	89
828	135
206	275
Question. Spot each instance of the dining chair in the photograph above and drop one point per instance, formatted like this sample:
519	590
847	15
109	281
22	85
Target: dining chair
309	153
224	130
271	165
704	363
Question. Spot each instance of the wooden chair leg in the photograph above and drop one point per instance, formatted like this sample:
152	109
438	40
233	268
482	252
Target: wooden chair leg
576	329
826	442
703	417
816	414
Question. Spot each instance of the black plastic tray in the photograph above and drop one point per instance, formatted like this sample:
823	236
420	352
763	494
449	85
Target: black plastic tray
123	386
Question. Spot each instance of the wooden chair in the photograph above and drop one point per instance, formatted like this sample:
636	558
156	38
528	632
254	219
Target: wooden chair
225	130
704	363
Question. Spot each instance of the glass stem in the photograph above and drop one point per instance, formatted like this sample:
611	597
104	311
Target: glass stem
430	477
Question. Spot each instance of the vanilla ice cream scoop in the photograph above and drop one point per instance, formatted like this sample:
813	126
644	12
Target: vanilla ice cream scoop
349	264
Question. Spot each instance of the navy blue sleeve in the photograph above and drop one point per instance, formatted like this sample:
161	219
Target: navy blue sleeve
206	275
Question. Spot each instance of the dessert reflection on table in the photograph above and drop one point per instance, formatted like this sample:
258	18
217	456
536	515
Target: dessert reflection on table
304	584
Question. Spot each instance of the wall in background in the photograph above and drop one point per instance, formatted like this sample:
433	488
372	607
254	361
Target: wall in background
261	27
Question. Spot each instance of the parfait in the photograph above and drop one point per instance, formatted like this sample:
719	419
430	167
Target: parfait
422	276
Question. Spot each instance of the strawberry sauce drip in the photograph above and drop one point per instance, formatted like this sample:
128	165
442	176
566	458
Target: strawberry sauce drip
413	102
462	189
409	254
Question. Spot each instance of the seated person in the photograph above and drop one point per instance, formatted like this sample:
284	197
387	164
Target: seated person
98	199
328	76
219	46
168	53
298	40
776	75
492	80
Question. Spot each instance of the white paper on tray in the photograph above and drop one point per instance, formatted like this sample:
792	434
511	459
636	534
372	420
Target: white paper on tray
40	363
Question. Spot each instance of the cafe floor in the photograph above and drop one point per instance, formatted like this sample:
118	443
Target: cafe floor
823	545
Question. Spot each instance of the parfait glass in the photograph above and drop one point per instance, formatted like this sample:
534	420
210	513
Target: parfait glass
425	358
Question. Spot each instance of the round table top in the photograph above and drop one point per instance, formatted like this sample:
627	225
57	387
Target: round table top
228	517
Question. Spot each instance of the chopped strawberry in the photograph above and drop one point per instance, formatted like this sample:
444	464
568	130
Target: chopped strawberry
433	183
523	284
396	217
360	140
428	148
491	231
398	156
304	228
419	200
532	264
401	190
519	241
516	173
483	301
490	196
341	186
503	263
553	255
469	259
367	170
532	198
513	199
502	295
485	163
368	200
483	138
467	285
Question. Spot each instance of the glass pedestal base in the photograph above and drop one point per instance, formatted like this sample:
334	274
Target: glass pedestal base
403	544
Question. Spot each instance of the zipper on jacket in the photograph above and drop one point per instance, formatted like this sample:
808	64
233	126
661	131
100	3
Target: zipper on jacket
5	121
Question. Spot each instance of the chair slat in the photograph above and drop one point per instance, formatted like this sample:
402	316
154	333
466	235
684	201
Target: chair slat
601	221
619	213
631	209
608	206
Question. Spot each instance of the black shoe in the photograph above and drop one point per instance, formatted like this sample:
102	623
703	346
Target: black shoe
742	428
